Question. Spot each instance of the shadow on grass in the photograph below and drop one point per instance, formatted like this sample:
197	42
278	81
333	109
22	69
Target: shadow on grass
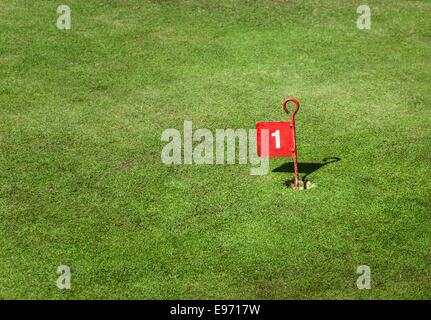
306	167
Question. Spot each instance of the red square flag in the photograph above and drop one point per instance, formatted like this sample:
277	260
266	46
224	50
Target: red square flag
280	141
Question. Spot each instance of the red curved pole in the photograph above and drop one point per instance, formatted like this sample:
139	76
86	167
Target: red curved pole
297	106
295	160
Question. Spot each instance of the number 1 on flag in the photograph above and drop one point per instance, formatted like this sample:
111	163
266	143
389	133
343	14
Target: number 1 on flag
276	134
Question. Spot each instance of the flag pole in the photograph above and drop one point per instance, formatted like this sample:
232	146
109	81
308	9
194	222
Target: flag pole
292	125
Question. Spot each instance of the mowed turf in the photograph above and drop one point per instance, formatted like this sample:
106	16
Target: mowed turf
82	182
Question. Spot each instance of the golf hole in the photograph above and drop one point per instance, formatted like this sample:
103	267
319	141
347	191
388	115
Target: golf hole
302	185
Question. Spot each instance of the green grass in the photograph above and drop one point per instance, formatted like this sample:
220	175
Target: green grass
82	182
